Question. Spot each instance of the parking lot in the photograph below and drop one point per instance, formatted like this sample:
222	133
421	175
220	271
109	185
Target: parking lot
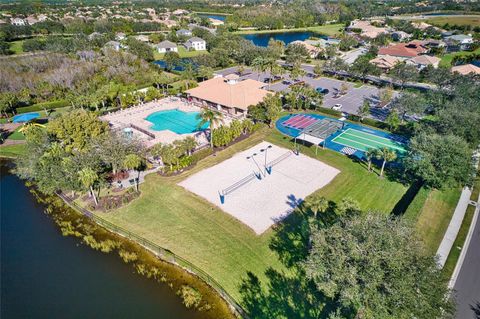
351	101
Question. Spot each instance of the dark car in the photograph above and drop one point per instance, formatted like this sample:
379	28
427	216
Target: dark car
322	90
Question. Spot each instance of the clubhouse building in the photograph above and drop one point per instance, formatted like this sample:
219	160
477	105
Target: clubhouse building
228	94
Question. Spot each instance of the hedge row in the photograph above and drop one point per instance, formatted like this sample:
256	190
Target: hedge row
43	106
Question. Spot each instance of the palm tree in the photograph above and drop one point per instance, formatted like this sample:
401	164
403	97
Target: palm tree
188	144
387	155
213	118
205	72
318	205
188	74
370	154
134	162
259	64
88	177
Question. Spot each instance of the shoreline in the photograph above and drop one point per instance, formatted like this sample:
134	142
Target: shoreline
159	253
314	29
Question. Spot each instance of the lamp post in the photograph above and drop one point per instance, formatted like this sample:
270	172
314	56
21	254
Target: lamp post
258	166
265	161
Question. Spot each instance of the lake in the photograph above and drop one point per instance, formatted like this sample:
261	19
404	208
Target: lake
46	275
261	39
213	16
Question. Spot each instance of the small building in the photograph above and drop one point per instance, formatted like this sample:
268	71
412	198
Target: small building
400	36
466	69
422	61
184	33
312	50
366	29
166	46
196	43
119	36
216	22
228	95
115	45
458	42
180	12
19	22
385	63
94	35
142	38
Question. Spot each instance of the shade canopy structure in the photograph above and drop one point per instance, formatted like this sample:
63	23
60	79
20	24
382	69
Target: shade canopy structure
23	118
319	131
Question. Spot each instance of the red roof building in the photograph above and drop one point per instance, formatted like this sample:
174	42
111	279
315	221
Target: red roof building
404	50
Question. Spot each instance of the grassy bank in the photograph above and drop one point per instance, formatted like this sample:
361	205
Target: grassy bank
182	52
188	225
330	30
447	59
12	151
472	20
16	47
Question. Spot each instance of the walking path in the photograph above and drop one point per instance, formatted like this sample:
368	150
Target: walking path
456	221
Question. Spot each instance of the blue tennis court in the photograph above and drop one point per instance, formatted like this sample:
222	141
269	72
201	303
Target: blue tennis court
176	121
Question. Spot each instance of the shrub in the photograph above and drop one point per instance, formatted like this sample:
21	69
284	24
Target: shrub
127	256
191	296
197	156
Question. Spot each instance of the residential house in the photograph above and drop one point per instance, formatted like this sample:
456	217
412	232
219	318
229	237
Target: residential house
229	96
466	69
94	35
215	22
458	42
422	61
312	50
400	36
142	38
322	43
385	63
180	12
31	20
166	46
366	29
196	44
184	33
115	45
119	36
403	50
18	22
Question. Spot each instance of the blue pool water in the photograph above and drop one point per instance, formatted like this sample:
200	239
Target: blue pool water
176	121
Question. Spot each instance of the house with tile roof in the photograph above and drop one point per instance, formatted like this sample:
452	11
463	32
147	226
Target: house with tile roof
466	69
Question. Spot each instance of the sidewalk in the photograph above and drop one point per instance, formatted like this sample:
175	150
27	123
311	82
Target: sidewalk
456	221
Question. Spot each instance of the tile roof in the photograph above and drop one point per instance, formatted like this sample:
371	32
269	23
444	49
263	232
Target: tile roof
406	50
466	69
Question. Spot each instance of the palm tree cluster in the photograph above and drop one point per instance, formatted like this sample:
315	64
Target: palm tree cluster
176	155
382	154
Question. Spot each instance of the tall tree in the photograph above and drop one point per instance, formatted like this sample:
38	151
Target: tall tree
134	162
372	266
386	155
213	118
88	177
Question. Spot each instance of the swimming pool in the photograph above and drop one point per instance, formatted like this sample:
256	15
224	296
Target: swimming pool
176	121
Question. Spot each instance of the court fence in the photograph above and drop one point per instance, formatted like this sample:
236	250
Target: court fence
161	253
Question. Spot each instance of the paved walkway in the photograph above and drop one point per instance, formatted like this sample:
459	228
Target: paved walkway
132	175
456	221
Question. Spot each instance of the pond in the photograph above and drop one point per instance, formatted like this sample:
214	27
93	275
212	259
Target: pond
213	16
45	275
177	67
261	39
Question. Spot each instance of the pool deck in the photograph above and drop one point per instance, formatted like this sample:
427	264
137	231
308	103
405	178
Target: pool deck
136	116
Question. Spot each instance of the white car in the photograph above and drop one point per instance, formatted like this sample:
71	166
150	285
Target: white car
337	107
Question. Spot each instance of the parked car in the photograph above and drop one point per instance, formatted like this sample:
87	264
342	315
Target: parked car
337	107
322	90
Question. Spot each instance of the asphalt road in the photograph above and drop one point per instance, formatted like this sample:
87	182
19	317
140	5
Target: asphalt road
467	285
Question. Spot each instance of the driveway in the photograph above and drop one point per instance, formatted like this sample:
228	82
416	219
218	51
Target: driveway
350	56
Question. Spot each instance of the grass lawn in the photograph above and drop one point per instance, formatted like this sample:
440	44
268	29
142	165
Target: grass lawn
16	46
454	254
16	135
12	150
182	52
216	242
472	20
434	217
329	29
448	58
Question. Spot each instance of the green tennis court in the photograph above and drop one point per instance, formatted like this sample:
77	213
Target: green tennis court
363	141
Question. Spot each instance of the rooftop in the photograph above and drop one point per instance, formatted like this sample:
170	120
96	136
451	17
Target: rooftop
238	95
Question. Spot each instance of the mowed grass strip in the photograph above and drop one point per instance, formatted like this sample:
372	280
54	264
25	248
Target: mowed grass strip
433	220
